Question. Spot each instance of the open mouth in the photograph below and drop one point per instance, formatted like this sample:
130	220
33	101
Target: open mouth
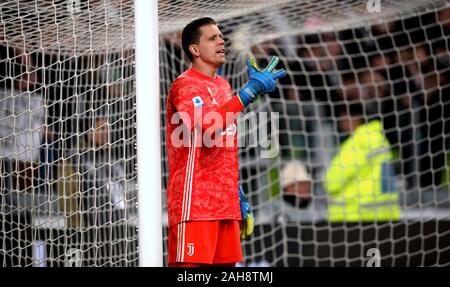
221	51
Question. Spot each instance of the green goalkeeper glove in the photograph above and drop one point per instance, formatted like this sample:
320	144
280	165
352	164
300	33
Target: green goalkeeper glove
260	80
247	223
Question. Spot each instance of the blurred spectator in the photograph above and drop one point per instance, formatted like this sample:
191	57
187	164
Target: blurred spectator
383	34
103	175
444	18
350	91
175	59
96	175
117	75
22	120
296	184
434	127
426	96
360	180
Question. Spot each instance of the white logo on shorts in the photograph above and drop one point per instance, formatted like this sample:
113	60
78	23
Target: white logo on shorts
190	248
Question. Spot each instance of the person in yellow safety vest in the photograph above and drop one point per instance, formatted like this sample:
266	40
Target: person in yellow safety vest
360	180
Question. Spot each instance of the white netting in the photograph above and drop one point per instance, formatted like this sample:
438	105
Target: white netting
395	64
67	133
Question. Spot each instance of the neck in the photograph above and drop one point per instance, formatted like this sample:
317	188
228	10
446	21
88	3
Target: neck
205	69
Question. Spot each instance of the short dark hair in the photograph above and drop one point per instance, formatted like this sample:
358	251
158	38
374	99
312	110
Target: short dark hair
191	33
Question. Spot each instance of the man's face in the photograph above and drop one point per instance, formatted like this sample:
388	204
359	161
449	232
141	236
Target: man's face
301	189
211	46
349	123
100	134
298	194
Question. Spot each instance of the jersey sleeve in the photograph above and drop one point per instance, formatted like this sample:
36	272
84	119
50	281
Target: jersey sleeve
188	100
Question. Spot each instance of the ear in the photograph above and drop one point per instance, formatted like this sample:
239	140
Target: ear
194	50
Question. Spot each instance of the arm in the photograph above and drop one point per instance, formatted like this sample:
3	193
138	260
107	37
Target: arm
187	98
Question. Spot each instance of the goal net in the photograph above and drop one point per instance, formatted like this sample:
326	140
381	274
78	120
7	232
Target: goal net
390	59
67	126
67	118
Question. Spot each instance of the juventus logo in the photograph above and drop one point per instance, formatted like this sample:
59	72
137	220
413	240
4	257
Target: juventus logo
190	249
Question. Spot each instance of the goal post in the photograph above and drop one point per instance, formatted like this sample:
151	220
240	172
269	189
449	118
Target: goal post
148	134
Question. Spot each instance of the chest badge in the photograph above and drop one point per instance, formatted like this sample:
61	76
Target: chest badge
197	102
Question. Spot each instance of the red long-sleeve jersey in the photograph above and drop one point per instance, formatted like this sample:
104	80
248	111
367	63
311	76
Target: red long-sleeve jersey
202	149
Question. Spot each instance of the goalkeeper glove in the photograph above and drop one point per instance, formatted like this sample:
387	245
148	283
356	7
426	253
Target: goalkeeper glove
260	81
248	221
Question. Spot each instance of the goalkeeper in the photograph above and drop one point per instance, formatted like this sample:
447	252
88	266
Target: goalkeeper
208	212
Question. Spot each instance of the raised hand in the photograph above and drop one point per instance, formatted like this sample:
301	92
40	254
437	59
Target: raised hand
260	81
